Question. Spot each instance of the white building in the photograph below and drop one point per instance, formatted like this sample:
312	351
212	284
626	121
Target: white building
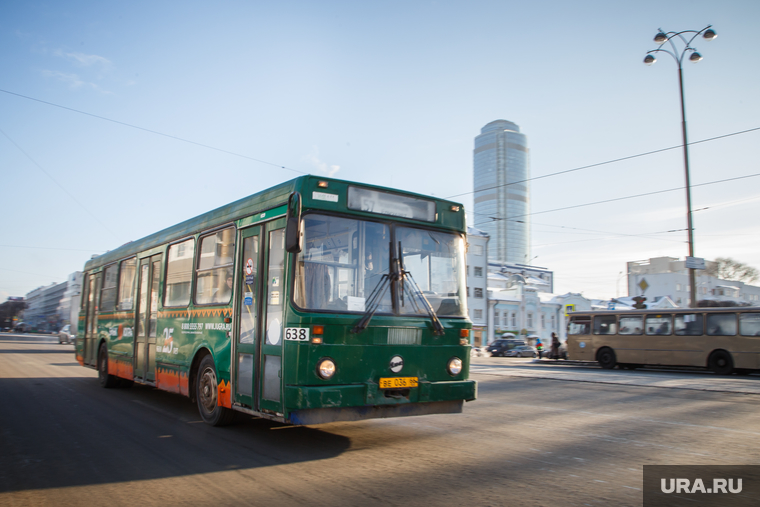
477	283
659	277
68	308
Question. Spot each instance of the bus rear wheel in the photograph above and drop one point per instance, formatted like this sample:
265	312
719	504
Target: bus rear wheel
606	358
721	363
207	395
106	380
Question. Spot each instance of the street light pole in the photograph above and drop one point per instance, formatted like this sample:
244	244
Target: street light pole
661	38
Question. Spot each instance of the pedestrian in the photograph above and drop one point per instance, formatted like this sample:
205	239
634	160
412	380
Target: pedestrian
539	348
555	346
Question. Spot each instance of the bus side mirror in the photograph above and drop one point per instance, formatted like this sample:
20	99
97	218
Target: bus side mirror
293	233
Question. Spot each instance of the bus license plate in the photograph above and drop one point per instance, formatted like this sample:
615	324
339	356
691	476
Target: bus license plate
398	382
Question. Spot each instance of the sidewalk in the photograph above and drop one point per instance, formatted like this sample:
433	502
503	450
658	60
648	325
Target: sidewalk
588	372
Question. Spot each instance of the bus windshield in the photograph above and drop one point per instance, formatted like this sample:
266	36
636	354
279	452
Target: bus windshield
344	259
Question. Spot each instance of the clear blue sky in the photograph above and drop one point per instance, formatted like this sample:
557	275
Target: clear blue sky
387	92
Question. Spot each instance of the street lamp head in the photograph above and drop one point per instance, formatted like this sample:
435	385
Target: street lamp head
695	57
661	38
649	59
710	34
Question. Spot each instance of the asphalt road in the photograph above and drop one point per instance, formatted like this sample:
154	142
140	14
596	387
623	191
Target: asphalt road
539	434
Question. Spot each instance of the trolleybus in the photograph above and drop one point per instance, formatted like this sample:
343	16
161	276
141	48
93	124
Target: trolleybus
725	340
314	301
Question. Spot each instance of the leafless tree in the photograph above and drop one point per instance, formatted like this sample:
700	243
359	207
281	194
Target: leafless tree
727	268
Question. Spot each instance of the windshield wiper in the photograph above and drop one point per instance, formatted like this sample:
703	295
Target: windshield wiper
417	299
417	295
373	302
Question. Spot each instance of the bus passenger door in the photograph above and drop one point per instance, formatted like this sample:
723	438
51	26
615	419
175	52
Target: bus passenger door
274	292
91	320
147	319
246	314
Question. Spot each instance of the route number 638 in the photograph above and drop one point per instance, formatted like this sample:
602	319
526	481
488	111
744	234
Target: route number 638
299	334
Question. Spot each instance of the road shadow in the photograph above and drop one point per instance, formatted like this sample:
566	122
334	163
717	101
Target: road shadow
63	432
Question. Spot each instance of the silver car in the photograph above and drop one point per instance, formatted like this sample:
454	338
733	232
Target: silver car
64	335
521	351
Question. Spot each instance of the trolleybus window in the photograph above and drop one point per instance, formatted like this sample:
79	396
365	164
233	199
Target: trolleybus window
633	325
658	324
179	273
127	284
721	324
214	274
435	261
108	292
342	261
605	324
579	325
749	324
688	324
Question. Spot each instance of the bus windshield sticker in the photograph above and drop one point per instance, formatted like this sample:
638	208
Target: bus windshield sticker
355	304
248	299
322	196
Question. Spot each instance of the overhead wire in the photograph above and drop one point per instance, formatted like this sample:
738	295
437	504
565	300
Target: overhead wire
629	157
620	198
177	138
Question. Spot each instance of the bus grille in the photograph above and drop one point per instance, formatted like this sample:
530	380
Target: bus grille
404	336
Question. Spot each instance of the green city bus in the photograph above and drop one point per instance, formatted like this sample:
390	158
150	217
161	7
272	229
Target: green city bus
316	300
724	340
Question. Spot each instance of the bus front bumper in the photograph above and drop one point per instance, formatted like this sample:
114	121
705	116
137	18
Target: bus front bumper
364	401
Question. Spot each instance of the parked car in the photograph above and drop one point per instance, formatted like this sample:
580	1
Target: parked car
478	352
502	345
521	351
65	336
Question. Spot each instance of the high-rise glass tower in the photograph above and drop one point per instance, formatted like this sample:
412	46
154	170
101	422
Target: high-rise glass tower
502	192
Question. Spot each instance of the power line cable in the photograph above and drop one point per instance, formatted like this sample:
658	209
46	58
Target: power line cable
155	132
605	163
619	198
56	182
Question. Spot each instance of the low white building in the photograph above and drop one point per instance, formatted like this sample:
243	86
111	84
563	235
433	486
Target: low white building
660	277
477	283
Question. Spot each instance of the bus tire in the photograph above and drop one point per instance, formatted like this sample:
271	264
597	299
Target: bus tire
106	380
206	395
721	362
606	358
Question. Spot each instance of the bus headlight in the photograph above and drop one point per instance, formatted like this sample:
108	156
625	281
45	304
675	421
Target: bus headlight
326	368
454	366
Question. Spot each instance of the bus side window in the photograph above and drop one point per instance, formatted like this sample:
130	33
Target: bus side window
721	324
631	325
605	324
579	325
749	324
658	325
689	324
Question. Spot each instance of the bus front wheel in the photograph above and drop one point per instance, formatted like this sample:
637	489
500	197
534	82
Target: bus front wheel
606	358
721	363
207	395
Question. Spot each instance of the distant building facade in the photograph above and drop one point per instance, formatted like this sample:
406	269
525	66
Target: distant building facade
477	283
68	308
41	313
502	191
660	277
